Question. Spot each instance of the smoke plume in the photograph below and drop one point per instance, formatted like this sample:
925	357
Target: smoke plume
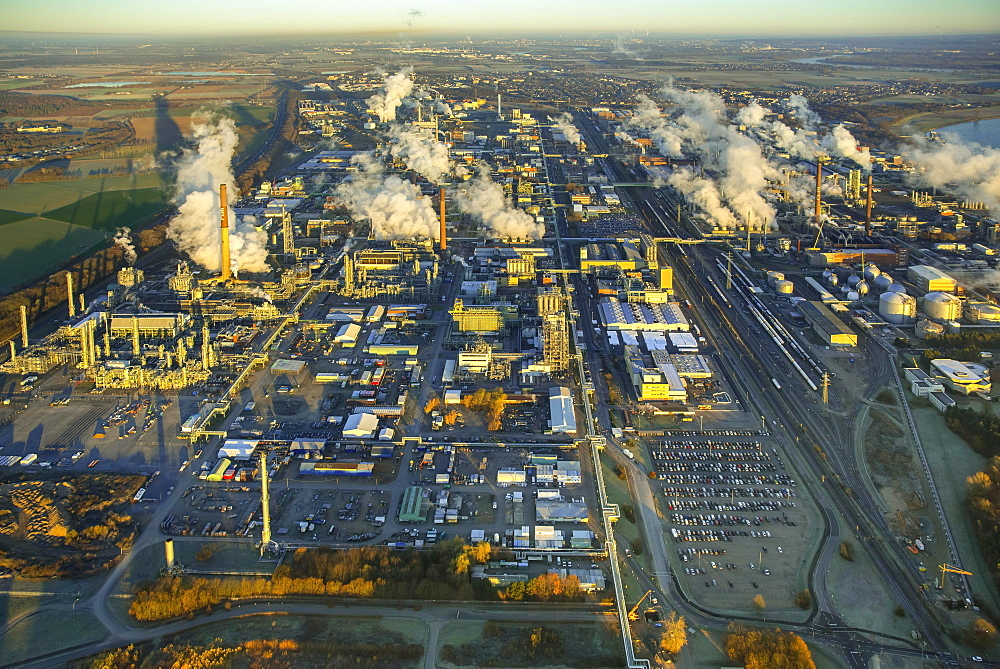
564	124
484	199
385	103
968	168
420	152
200	170
123	238
394	206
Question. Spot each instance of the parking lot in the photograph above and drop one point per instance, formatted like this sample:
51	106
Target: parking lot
733	515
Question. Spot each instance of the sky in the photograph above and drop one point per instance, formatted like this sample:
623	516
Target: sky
696	17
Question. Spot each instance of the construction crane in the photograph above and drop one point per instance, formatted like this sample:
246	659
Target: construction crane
632	615
950	569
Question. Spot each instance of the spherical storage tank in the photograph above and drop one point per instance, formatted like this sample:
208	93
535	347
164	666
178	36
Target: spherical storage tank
833	279
882	282
897	288
853	296
853	279
862	288
869	272
942	306
982	312
784	287
897	308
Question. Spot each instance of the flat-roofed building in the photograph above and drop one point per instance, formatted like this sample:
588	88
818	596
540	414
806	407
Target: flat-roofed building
828	326
931	279
562	414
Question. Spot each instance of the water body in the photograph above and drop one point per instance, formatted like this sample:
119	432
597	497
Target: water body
213	74
824	61
985	132
108	84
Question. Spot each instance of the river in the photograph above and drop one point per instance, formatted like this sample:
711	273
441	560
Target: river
986	132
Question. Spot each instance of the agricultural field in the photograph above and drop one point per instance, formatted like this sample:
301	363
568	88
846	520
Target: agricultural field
35	247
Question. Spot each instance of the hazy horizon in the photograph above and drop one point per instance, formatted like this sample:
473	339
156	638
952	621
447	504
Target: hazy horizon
722	18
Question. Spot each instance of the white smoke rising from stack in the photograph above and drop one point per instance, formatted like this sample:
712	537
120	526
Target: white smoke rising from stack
123	238
484	199
564	124
200	170
442	107
385	103
968	168
420	152
394	206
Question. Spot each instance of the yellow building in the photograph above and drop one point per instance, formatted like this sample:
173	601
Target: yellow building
476	318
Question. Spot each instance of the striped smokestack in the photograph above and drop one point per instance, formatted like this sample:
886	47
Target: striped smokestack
224	207
443	235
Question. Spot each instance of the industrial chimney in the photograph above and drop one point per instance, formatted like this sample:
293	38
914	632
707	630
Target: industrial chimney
265	505
443	236
819	193
226	262
69	294
24	326
868	207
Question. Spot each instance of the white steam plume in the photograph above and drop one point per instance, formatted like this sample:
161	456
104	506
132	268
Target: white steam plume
968	168
420	152
394	206
799	106
483	198
200	170
123	238
385	103
442	107
564	124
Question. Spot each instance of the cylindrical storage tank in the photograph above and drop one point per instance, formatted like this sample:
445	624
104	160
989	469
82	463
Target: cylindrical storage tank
882	282
942	306
784	287
982	312
897	308
168	552
853	296
775	277
870	272
897	288
926	328
853	279
862	288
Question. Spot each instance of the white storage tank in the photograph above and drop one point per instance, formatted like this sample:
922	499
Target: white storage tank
982	312
942	306
853	280
870	272
862	288
784	287
897	288
833	279
853	296
897	308
882	282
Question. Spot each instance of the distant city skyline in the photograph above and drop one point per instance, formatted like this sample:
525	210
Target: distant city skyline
709	17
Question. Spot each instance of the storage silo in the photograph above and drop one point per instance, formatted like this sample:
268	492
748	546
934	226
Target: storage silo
942	306
774	277
882	282
784	287
897	308
982	312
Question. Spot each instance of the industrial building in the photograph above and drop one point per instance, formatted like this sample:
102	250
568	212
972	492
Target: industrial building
962	377
831	329
330	468
562	414
931	279
616	315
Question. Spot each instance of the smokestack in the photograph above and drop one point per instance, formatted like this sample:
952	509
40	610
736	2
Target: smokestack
69	294
168	552
499	112
819	195
226	262
868	207
83	304
24	326
136	350
13	351
265	505
443	237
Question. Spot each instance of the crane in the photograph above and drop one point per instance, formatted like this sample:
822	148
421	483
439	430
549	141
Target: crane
951	569
632	613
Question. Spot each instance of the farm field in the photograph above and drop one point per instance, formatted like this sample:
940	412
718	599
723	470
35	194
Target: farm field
35	247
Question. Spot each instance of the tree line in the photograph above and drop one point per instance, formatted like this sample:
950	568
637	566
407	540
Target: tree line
980	430
362	572
757	648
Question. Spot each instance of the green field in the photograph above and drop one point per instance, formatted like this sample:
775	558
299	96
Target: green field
112	209
37	246
46	632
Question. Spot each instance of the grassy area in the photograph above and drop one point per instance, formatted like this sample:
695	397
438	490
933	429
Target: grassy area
35	247
237	558
7	216
113	209
526	645
924	121
46	632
